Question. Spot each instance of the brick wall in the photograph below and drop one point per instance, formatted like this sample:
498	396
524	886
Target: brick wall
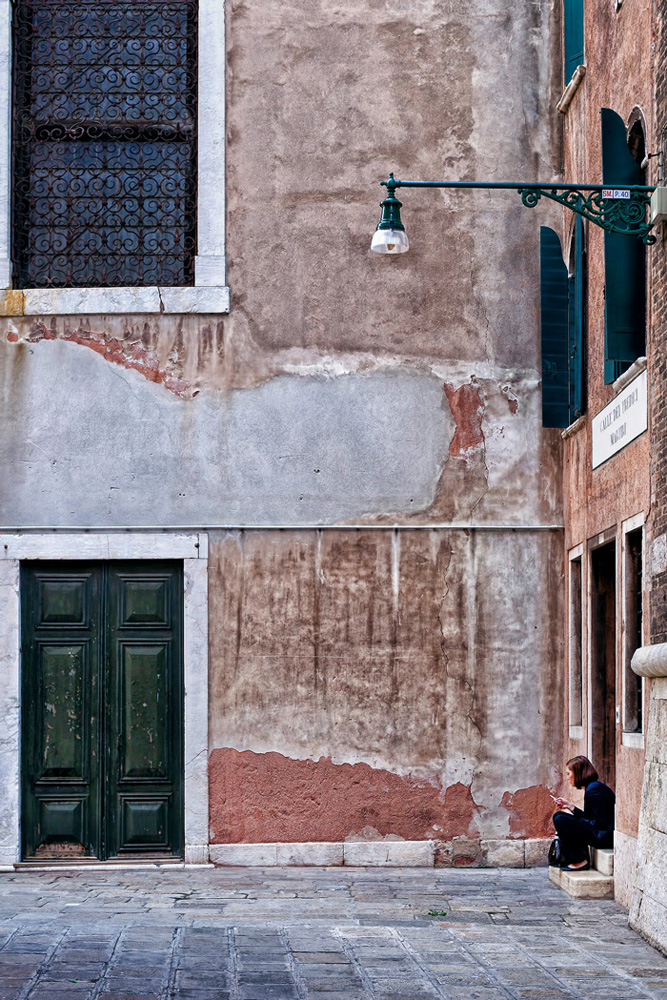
658	354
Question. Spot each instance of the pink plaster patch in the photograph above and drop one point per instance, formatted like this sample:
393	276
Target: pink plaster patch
467	409
260	798
530	812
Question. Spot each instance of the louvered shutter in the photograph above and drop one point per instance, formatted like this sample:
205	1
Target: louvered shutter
573	32
554	330
576	337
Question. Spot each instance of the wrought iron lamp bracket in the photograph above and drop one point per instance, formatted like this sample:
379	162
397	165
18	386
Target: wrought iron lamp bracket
621	210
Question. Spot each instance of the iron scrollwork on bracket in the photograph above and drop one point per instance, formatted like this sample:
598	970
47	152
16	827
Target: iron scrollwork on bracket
625	215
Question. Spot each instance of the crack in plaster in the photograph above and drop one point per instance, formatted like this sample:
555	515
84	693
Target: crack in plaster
483	453
192	760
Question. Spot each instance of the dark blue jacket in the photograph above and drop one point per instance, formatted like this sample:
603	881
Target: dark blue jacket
598	809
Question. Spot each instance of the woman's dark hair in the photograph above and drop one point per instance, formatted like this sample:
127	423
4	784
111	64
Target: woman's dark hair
582	771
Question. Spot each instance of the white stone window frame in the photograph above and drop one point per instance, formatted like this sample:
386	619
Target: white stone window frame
210	293
628	737
602	538
576	732
192	549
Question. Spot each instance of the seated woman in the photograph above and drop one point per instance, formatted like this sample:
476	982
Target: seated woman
594	826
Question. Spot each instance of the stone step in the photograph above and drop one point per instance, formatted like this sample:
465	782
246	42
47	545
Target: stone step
603	860
583	885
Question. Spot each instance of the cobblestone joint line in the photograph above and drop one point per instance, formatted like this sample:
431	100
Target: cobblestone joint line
32	983
364	978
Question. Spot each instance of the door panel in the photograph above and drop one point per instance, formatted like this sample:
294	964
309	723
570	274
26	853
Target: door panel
144	823
63	670
144	721
145	711
144	602
63	602
60	712
102	717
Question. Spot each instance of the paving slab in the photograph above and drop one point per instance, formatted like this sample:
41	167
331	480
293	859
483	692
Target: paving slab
296	934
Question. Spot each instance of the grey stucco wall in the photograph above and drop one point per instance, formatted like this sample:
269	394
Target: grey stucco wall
342	388
88	443
330	357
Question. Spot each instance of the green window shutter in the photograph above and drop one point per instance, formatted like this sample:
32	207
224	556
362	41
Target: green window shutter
577	356
554	327
624	260
573	36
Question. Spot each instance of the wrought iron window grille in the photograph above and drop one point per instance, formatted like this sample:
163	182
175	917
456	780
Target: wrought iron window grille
104	143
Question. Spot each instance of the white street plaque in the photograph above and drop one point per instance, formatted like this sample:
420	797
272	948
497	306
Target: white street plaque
624	419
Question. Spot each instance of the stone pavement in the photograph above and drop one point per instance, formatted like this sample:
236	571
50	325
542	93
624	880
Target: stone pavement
293	934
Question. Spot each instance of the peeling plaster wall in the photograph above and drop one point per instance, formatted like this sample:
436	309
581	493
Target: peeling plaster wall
343	387
87	442
410	383
385	680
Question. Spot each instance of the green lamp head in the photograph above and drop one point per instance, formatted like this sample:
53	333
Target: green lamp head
390	236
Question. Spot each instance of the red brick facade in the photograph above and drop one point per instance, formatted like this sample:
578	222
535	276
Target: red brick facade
657	347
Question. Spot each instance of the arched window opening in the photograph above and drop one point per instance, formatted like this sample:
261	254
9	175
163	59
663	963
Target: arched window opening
637	144
624	256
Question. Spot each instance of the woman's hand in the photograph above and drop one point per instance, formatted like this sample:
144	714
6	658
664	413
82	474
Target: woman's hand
563	804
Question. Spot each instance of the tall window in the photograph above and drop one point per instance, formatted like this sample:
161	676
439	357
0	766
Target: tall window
624	256
576	645
104	142
573	36
633	630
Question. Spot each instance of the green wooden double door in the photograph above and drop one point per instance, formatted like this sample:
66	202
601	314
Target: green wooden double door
102	710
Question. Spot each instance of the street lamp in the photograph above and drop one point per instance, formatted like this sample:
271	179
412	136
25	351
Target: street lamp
390	237
618	210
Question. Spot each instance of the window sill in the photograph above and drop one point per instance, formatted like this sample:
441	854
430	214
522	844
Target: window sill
634	740
571	89
98	301
574	427
576	732
626	378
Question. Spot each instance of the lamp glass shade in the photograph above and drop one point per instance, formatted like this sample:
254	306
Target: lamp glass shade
389	241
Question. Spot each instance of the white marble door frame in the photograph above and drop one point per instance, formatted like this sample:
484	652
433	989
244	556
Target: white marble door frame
193	550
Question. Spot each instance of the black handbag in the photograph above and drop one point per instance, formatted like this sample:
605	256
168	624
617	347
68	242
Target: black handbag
555	854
